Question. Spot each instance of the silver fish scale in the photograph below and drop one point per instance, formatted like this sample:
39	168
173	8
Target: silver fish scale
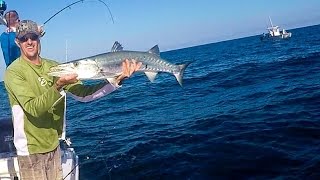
112	62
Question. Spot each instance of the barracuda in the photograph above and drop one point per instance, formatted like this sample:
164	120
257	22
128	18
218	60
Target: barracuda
109	65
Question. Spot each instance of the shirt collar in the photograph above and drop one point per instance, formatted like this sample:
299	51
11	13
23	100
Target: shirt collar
11	29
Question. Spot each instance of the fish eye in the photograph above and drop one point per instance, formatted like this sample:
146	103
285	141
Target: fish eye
75	63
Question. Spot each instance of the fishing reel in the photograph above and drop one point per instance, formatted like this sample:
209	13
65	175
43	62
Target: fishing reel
3	7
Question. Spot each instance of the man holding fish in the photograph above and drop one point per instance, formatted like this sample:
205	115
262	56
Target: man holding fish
37	102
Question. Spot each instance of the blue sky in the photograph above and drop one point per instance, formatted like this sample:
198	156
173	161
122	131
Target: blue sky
140	24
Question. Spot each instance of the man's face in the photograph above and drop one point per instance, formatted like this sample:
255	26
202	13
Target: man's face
29	45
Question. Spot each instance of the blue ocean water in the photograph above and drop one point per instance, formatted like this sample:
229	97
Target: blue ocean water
248	110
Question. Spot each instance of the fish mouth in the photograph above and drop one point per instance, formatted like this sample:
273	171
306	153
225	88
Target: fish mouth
62	69
84	69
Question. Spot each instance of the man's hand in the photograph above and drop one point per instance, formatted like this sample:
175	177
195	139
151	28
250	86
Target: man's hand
65	80
128	68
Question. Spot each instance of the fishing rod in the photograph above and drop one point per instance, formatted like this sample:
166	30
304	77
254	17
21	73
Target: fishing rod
3	7
69	6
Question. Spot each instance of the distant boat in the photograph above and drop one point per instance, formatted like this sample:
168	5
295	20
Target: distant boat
274	32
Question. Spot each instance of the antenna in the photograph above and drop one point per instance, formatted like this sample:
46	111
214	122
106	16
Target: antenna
66	60
270	21
64	129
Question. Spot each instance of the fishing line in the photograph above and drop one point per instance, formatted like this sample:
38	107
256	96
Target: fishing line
51	17
79	164
69	6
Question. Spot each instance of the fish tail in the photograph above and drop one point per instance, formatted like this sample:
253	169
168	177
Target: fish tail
179	76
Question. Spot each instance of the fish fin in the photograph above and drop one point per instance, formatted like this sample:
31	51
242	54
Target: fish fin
107	74
110	80
155	50
116	47
151	75
179	76
113	81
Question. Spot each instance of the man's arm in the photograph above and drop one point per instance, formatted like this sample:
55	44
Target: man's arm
89	93
19	89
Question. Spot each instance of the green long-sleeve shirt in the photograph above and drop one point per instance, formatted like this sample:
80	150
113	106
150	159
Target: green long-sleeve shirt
38	108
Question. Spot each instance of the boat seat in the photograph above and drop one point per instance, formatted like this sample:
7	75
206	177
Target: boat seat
6	136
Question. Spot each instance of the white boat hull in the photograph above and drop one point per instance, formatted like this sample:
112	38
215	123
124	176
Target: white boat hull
281	36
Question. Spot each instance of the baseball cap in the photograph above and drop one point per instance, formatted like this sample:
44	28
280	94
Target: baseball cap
27	27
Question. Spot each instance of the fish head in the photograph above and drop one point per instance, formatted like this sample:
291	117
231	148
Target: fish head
85	69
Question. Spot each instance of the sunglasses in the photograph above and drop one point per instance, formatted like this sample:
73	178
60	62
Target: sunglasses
25	38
